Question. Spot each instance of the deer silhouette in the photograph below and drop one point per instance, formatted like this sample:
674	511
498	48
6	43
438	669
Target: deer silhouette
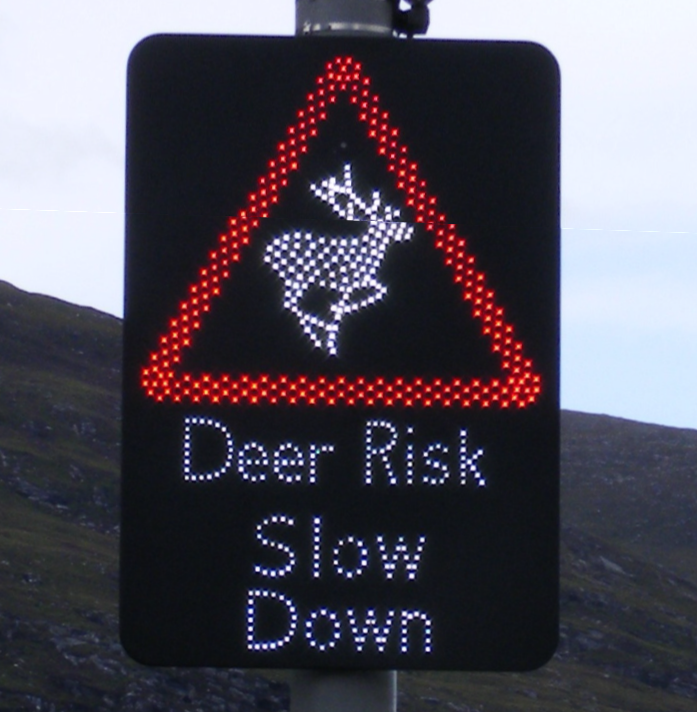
325	278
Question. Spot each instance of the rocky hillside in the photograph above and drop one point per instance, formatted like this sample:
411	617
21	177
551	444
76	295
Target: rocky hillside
629	554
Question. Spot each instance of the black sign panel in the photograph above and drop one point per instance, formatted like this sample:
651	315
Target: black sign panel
341	374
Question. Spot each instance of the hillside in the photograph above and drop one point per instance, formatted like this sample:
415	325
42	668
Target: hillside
632	484
628	592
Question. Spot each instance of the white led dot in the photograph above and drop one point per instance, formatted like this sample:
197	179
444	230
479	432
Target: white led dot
253	461
409	458
378	450
332	622
409	617
438	466
262	594
399	554
288	463
196	421
266	542
316	547
370	627
468	462
360	555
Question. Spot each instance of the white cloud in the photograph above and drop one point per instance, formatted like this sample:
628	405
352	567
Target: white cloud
74	256
32	155
631	282
650	303
629	325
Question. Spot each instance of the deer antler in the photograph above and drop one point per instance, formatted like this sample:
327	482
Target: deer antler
347	204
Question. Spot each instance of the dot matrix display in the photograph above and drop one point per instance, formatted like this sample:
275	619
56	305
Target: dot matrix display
346	266
340	444
342	76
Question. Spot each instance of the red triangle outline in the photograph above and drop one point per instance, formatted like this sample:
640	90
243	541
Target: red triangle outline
519	387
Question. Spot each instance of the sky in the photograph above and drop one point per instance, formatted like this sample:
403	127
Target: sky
629	167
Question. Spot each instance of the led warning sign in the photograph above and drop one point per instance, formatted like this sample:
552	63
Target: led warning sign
340	425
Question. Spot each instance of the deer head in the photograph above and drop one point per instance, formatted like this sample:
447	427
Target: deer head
347	204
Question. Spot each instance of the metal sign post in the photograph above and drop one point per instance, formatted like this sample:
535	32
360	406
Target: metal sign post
343	16
361	17
328	691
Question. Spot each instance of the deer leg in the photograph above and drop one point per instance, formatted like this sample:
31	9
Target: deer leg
363	295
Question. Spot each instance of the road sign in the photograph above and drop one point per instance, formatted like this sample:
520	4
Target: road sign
340	439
